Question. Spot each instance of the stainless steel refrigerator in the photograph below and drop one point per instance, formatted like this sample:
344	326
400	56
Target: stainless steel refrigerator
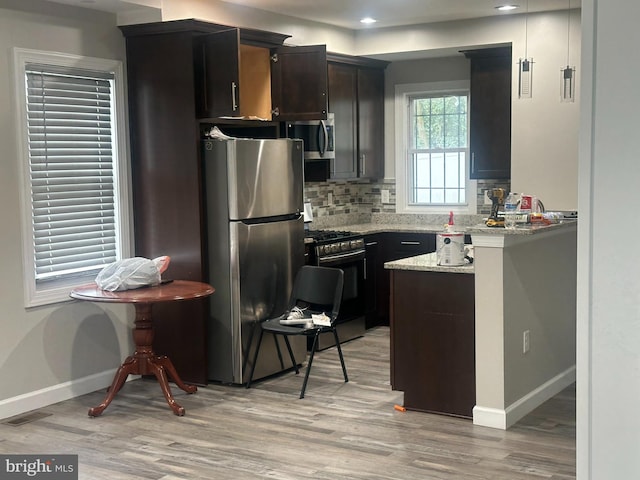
255	246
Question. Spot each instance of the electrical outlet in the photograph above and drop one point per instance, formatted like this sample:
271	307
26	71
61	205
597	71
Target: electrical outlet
329	199
525	341
487	200
384	194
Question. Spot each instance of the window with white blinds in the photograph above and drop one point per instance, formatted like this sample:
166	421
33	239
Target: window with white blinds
74	170
69	127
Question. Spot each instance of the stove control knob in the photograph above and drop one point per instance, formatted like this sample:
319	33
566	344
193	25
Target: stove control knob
344	246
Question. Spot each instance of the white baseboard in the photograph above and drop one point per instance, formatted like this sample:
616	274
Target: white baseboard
503	419
489	417
11	407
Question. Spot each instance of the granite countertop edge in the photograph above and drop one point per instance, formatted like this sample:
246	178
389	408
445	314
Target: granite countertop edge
372	228
427	262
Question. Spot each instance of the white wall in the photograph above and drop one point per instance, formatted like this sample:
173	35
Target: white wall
544	147
60	351
302	32
608	281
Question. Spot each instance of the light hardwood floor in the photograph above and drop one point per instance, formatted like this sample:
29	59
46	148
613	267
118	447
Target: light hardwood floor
338	431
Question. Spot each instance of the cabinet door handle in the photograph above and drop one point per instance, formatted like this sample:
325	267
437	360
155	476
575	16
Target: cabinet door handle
365	268
370	244
363	164
234	91
205	90
473	161
409	243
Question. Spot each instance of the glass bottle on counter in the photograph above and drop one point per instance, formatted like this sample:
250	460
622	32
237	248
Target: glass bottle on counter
511	211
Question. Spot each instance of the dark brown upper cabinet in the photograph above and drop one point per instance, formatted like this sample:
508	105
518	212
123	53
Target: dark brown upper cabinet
237	79
370	123
356	98
490	113
217	74
299	82
343	103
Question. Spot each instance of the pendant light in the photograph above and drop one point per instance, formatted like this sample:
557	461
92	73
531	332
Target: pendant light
568	73
525	65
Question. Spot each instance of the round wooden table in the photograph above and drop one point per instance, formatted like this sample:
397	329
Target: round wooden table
144	361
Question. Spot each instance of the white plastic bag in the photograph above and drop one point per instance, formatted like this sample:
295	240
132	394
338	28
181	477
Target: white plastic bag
130	273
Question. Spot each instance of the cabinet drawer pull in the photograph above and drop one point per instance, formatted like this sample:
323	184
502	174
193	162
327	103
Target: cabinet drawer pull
409	243
370	244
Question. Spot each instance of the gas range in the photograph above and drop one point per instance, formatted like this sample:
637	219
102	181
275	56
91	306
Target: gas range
344	250
332	243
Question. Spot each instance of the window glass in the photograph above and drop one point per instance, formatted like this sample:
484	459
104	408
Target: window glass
437	156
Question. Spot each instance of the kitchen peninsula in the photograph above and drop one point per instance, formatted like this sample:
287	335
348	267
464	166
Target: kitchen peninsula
432	335
524	284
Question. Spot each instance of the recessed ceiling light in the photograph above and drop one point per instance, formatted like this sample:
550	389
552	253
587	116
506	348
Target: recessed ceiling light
506	8
368	20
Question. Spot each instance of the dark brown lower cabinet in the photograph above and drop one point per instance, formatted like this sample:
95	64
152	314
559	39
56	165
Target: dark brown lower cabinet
433	341
394	246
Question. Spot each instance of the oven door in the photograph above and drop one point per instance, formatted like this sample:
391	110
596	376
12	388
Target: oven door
352	264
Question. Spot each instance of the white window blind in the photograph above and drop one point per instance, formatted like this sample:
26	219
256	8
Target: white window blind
70	119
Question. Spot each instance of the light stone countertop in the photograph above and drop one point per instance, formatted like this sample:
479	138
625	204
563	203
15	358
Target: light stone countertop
427	262
524	230
371	228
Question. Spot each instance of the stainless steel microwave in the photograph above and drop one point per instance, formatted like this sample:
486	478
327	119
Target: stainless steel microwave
318	137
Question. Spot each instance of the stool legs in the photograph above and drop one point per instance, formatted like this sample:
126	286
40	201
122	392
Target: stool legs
293	360
255	357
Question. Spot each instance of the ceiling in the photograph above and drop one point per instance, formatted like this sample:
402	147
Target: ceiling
392	13
347	13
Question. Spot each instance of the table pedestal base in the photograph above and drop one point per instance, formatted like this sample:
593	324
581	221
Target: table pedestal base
160	366
145	362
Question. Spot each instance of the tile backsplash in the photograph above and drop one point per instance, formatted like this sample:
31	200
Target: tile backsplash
352	201
357	200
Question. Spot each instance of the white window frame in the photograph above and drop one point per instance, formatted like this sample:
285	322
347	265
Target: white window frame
403	92
58	290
